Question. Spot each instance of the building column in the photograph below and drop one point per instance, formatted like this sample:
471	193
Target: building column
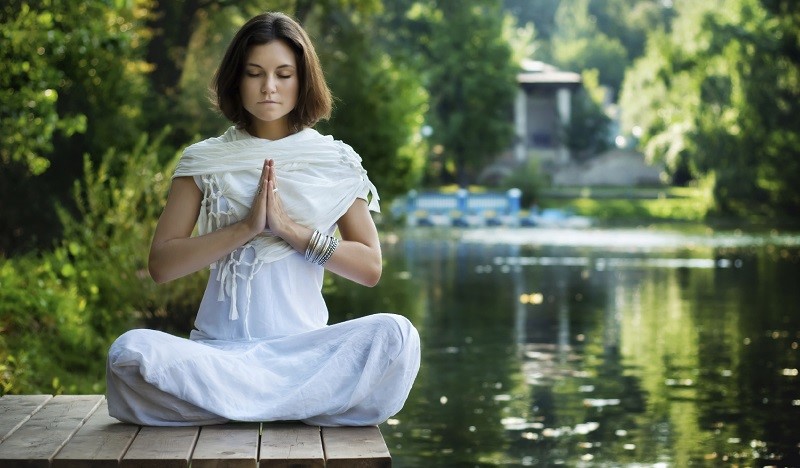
521	125
563	104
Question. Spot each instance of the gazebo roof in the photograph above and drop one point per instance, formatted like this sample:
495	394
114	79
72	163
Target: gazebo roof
536	72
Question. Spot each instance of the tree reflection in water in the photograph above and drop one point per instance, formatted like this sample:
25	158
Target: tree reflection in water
675	350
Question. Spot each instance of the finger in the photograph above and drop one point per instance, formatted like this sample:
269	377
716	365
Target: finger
272	172
262	180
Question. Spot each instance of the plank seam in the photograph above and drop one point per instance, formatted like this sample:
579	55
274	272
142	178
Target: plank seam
194	444
128	447
324	448
14	429
258	446
75	431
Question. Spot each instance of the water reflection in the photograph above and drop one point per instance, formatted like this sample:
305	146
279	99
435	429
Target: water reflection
539	352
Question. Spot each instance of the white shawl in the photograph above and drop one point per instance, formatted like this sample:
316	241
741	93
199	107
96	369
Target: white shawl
318	178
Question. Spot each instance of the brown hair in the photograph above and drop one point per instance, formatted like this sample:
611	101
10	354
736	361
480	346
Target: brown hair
314	97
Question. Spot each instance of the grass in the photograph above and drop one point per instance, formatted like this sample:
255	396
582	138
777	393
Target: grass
613	205
633	204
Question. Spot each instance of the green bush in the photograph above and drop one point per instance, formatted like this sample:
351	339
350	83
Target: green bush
47	339
529	179
637	205
59	311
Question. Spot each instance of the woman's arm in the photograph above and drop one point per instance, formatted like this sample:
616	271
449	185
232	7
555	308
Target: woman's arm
175	253
358	256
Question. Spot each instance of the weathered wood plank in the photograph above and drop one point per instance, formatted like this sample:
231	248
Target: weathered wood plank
40	437
100	442
227	445
290	444
16	409
355	447
161	447
76	431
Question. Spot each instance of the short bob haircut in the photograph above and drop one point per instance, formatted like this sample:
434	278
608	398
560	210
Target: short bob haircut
314	98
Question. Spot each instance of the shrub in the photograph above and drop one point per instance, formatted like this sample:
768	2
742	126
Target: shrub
62	309
529	179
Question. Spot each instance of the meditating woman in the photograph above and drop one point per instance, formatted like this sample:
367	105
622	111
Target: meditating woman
267	197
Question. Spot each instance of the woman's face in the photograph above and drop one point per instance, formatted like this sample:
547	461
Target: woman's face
269	88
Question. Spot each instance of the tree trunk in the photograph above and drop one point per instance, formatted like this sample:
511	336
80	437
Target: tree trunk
172	24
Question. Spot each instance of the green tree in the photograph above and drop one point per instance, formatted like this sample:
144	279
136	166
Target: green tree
656	104
71	83
471	80
586	135
718	96
541	14
630	21
578	44
579	35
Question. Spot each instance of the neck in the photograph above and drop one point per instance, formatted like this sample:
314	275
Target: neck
270	130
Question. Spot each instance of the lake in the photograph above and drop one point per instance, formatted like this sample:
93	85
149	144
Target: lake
597	347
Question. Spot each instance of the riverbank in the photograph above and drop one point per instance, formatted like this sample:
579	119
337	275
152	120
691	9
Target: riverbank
631	205
602	205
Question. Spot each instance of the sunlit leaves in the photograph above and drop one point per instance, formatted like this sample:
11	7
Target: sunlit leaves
64	64
28	112
471	80
579	45
717	95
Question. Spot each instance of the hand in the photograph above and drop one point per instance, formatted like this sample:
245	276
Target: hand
256	220
277	220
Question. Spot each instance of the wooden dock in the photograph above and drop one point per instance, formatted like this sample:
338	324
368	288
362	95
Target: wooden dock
76	431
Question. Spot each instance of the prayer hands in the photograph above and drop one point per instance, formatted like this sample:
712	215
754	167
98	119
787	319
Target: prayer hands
267	211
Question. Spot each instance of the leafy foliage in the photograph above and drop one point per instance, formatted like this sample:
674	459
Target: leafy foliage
471	82
28	89
62	309
579	45
71	83
71	68
587	133
718	95
606	35
529	179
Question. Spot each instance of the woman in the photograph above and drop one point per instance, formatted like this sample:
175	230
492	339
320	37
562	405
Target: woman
267	197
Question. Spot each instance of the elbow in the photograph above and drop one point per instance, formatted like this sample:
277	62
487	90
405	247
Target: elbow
372	280
156	271
156	274
373	276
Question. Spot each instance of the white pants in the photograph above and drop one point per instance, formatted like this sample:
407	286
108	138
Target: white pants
354	373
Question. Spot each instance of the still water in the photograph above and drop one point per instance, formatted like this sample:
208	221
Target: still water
595	347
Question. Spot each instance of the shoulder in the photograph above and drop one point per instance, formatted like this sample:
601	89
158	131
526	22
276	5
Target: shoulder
231	134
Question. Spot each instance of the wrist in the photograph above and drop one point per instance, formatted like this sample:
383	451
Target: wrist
248	228
292	233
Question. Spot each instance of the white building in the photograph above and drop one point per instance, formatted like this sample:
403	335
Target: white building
542	109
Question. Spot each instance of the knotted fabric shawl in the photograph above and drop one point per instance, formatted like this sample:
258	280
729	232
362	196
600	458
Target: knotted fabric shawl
318	179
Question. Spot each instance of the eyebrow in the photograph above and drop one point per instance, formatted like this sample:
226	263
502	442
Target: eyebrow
279	67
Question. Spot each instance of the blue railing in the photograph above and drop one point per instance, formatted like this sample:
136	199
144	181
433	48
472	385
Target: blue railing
462	208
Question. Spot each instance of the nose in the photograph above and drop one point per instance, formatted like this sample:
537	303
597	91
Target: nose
268	87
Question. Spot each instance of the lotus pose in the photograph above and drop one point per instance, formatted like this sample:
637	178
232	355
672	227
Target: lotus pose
267	197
